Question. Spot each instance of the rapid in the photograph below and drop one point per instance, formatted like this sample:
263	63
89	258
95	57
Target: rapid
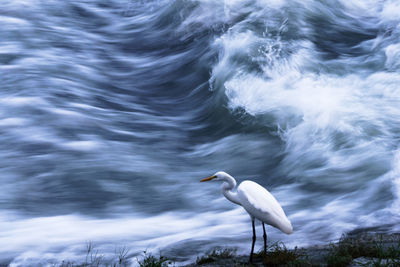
112	111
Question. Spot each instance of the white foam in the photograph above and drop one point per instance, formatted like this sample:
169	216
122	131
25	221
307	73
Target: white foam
391	11
393	57
83	145
21	100
52	238
337	117
13	21
395	176
12	122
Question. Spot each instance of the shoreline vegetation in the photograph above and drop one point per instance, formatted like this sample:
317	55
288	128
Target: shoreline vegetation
361	249
365	249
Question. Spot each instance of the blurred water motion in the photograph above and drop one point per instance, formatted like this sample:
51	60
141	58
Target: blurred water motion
111	112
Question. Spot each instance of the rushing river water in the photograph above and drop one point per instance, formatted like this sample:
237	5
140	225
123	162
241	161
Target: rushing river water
112	111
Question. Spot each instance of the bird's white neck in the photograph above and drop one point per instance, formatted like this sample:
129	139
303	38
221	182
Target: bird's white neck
227	186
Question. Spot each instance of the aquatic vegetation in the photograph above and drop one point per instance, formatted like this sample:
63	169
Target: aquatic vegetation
278	255
376	248
216	254
94	258
149	260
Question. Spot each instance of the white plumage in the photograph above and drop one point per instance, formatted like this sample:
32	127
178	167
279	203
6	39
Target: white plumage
257	201
260	204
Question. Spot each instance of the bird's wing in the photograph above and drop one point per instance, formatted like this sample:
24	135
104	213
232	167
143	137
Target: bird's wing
259	203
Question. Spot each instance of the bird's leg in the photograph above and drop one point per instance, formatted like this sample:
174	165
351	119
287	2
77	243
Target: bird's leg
265	240
254	241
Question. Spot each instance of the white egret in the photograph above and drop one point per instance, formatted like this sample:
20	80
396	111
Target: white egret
257	201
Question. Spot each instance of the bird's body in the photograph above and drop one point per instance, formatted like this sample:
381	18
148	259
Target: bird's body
261	205
257	201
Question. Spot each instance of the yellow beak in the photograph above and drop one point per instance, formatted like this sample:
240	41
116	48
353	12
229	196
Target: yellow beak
208	178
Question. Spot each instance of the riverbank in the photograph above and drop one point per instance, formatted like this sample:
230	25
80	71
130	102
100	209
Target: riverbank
362	248
357	249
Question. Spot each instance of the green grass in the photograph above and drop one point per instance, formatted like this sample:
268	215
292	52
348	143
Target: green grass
279	255
365	250
150	260
347	249
216	254
94	259
380	263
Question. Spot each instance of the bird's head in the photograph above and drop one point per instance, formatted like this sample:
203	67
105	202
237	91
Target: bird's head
218	176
